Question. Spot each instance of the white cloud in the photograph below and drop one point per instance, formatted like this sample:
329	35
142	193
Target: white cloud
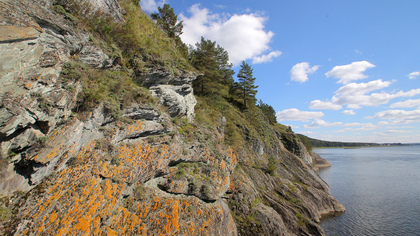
321	123
242	36
296	114
320	105
383	123
348	112
406	104
306	132
358	127
394	131
300	71
414	75
266	58
150	5
353	106
410	93
350	72
398	116
356	95
362	88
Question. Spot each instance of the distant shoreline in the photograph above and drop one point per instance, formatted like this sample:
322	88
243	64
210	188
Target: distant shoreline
367	146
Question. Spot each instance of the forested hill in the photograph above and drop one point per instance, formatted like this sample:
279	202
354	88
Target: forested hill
317	143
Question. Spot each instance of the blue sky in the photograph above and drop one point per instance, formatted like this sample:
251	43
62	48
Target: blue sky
333	70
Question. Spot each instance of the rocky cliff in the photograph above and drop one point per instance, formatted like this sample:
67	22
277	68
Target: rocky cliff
71	166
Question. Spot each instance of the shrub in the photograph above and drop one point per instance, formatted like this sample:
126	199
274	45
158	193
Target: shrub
115	160
301	219
5	213
139	193
42	141
71	88
272	162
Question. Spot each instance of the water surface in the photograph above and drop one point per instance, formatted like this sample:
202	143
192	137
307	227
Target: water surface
380	188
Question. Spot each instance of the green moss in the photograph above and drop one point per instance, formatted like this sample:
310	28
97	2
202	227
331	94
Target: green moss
139	193
115	161
71	88
43	141
301	219
272	162
5	214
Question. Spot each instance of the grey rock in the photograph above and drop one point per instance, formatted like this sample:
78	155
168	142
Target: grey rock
179	99
94	57
175	92
271	221
136	112
49	59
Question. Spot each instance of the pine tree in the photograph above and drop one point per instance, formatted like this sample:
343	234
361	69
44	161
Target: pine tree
213	61
246	82
268	111
167	19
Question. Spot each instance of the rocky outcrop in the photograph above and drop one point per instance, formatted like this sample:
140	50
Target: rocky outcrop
34	45
139	172
319	162
175	92
292	143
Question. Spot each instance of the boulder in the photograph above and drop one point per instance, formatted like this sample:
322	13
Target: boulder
175	92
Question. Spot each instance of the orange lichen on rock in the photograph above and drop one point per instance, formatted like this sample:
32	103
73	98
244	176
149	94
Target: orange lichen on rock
137	126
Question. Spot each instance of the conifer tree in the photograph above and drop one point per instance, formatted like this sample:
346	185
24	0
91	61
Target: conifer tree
268	111
167	19
246	82
213	60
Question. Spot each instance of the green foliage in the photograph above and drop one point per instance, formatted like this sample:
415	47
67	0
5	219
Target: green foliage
11	153
115	161
115	89
44	103
138	36
73	71
301	219
272	162
268	111
180	173
42	141
205	190
213	61
305	142
73	161
71	88
5	213
4	162
71	19
139	193
167	19
327	144
246	83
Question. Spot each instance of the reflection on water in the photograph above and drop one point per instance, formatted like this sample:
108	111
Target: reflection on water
380	188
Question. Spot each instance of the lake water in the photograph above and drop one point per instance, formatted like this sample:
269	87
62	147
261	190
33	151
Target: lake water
380	188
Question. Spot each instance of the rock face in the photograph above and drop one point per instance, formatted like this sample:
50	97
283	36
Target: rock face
141	174
174	92
294	145
109	7
34	101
